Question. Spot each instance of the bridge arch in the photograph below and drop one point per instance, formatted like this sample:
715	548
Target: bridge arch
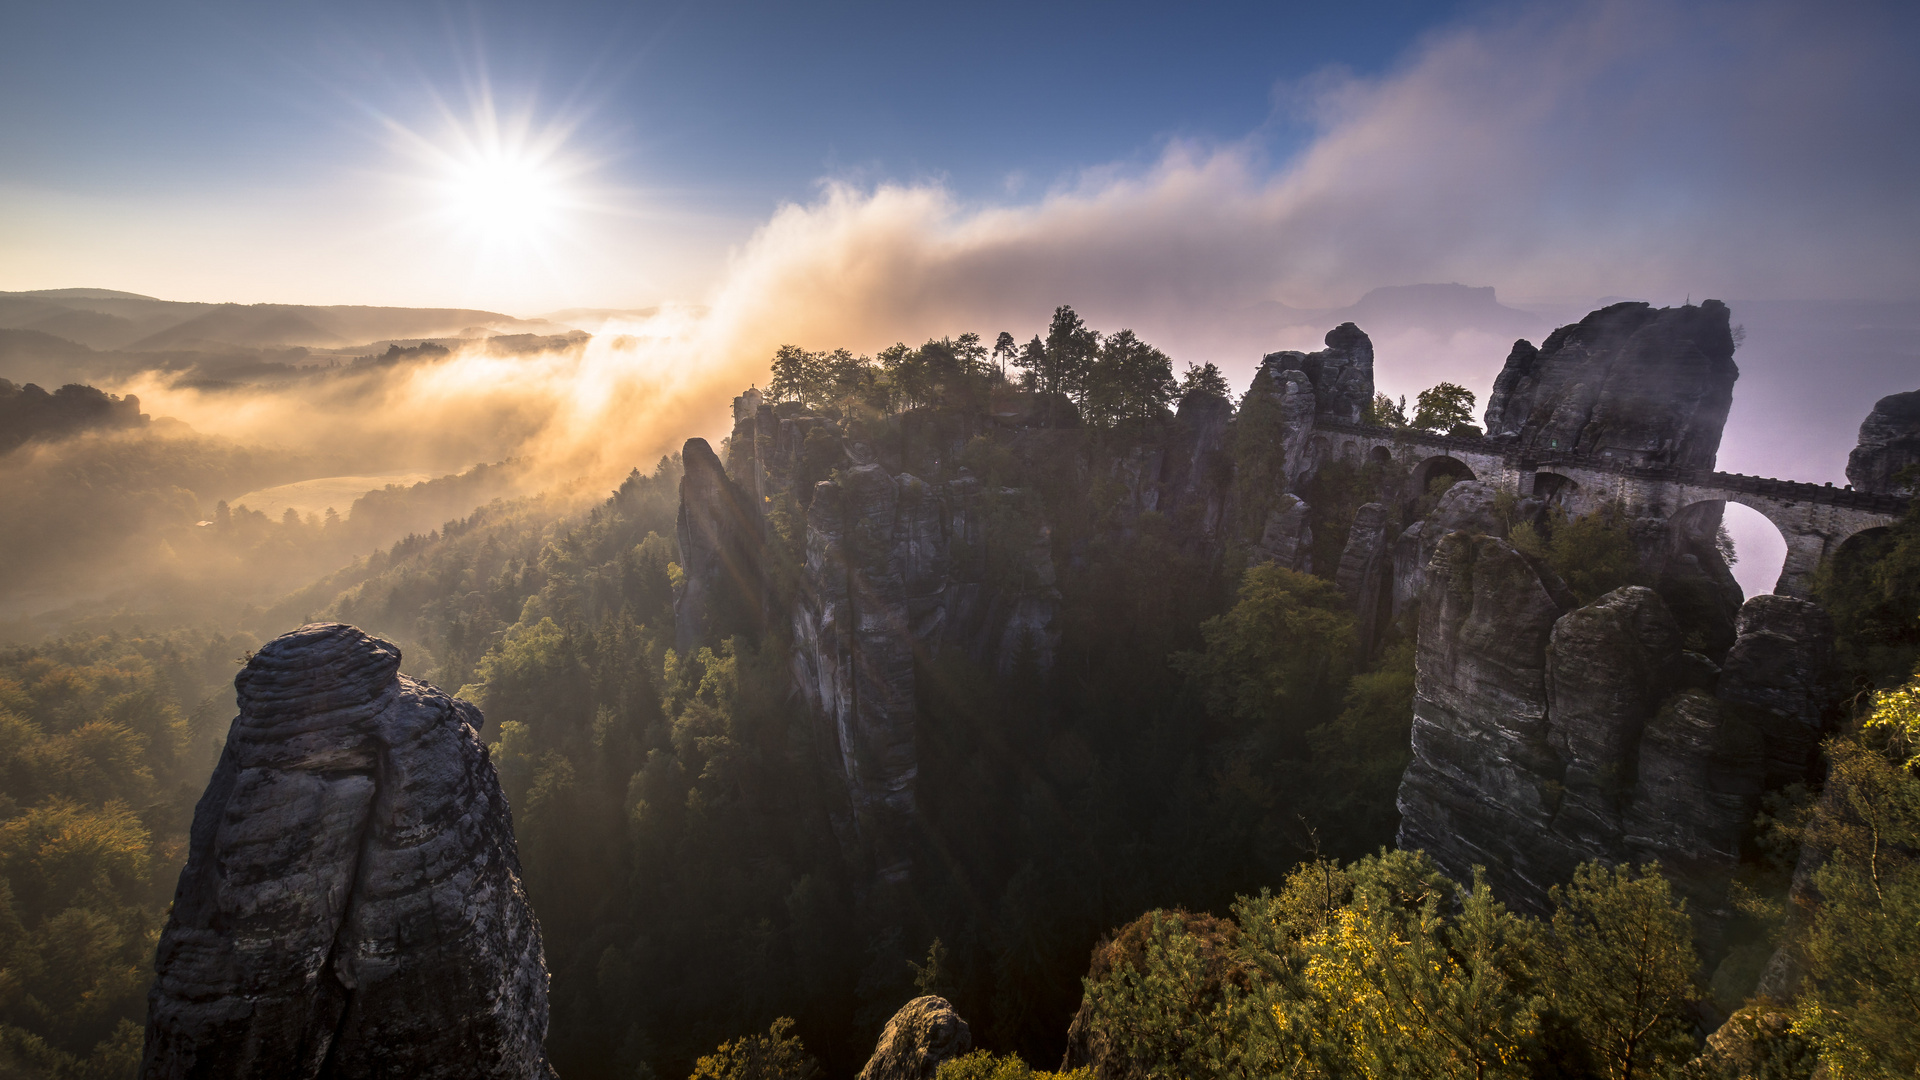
1380	455
1435	467
1760	542
1555	489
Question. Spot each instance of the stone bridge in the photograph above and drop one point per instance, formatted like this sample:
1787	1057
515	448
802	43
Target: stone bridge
1814	519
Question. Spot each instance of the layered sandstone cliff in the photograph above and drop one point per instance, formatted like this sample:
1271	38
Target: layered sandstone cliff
351	904
1547	734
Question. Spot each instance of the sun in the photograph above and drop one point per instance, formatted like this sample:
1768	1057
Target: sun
504	195
500	182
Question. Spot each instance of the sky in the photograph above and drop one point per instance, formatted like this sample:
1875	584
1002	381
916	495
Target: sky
1303	152
279	145
849	174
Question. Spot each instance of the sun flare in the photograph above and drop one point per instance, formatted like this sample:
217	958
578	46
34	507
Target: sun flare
504	195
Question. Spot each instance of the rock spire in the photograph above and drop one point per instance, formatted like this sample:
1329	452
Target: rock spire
351	904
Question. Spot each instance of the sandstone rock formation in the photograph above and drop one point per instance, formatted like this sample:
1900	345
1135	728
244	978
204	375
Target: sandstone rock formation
351	904
1783	669
1340	376
881	581
1287	538
1889	442
1547	734
1630	382
720	540
1365	575
1467	505
925	1032
1483	786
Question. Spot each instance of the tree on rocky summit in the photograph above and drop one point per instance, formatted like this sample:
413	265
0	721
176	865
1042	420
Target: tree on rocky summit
1442	408
777	1055
1203	379
1127	380
1383	411
798	375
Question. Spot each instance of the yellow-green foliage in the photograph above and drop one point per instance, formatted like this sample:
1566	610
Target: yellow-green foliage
986	1065
777	1055
1386	969
1863	949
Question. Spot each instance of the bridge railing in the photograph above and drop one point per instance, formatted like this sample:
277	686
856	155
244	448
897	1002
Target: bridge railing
1770	487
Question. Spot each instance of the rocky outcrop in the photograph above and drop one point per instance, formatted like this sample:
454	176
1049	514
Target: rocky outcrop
1483	786
1889	443
882	581
1630	382
351	904
925	1032
1287	538
1547	734
1365	575
1467	506
720	540
1609	667
1196	471
1340	375
1782	667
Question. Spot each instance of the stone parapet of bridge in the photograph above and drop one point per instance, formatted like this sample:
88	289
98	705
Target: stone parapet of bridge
1814	519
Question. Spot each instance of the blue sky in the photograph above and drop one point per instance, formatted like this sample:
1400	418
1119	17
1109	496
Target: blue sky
1143	160
729	106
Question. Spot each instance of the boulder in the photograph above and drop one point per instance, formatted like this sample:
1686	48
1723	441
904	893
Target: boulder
1889	442
351	903
925	1032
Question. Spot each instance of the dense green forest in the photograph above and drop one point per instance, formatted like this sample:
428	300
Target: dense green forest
1208	748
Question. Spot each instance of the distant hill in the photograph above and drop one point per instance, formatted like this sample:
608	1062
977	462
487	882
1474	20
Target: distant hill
109	319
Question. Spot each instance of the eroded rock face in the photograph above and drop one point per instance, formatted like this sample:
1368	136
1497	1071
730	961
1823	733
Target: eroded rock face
1340	376
1889	442
1287	538
880	582
1782	667
925	1032
1365	575
1482	788
1641	385
1467	506
720	541
1548	734
1609	665
351	904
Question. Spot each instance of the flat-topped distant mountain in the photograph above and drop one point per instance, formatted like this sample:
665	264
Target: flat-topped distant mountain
1436	308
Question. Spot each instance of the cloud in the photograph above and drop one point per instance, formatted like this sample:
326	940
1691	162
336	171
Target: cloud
1567	152
1561	153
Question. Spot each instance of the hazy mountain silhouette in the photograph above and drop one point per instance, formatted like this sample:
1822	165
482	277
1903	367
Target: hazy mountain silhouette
108	319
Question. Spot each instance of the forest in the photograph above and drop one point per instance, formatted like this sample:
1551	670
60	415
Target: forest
1178	835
